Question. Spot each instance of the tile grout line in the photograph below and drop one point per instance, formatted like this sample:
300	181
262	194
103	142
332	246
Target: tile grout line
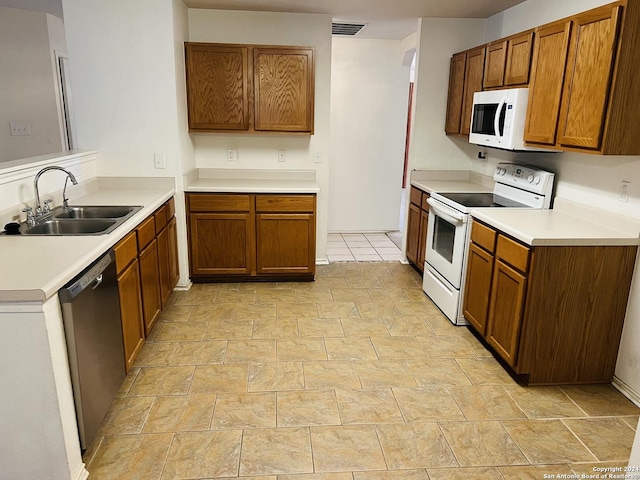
580	440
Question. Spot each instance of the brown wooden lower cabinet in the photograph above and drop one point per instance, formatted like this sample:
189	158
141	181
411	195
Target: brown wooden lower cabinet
147	266
174	271
413	233
221	243
149	274
251	236
417	225
129	290
476	299
285	243
555	313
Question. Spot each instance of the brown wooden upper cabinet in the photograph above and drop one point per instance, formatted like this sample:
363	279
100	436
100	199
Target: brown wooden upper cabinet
547	76
508	61
465	78
284	86
217	87
456	92
518	61
474	72
246	88
585	89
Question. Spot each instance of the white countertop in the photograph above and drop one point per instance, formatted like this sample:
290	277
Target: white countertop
566	224
35	267
451	181
251	181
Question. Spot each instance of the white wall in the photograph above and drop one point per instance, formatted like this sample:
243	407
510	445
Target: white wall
369	100
127	77
260	152
28	85
589	179
438	40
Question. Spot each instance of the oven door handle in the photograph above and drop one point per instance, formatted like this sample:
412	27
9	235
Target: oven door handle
447	213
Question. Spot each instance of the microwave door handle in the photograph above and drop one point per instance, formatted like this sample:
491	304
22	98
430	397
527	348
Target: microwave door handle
496	120
448	214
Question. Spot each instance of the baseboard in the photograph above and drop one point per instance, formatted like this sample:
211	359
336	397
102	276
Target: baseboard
626	390
83	474
183	287
322	261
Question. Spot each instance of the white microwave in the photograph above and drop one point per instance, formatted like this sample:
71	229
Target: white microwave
498	118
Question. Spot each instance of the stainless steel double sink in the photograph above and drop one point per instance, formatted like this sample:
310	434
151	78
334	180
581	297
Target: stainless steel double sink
81	220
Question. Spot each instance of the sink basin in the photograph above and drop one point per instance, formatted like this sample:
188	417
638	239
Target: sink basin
72	227
96	212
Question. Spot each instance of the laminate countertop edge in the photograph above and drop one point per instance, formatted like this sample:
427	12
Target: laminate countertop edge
555	228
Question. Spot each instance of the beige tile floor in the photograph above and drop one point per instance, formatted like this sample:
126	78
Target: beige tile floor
356	376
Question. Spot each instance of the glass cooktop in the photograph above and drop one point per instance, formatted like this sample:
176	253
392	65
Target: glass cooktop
473	200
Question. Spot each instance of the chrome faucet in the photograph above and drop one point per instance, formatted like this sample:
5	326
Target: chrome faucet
40	211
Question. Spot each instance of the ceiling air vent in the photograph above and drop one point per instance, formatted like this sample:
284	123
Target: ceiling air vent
346	28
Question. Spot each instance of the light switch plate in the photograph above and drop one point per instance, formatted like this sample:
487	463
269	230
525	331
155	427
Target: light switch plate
20	129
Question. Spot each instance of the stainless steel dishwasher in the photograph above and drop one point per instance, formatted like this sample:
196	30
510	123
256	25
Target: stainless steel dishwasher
93	330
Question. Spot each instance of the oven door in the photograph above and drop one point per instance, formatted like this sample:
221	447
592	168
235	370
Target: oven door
446	237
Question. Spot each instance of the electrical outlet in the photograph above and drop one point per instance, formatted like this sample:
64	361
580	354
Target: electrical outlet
282	155
482	158
232	155
317	156
623	196
158	161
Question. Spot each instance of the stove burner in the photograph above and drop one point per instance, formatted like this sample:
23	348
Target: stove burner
472	200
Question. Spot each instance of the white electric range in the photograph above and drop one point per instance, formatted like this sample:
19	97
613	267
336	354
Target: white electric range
448	232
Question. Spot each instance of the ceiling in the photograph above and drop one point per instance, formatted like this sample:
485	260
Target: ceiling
385	18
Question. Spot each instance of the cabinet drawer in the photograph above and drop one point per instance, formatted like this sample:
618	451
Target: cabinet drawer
513	253
219	203
424	205
483	236
126	250
415	196
171	208
285	203
160	217
146	232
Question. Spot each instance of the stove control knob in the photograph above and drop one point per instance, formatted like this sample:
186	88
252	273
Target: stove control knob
530	178
501	171
536	180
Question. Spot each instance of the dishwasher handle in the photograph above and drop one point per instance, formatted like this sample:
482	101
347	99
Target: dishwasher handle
91	277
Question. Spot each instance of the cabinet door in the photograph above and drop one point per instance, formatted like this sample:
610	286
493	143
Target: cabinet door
422	244
474	70
217	87
174	271
150	284
588	78
284	89
494	65
285	243
545	89
131	312
456	93
518	59
413	233
478	288
221	243
505	313
163	265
